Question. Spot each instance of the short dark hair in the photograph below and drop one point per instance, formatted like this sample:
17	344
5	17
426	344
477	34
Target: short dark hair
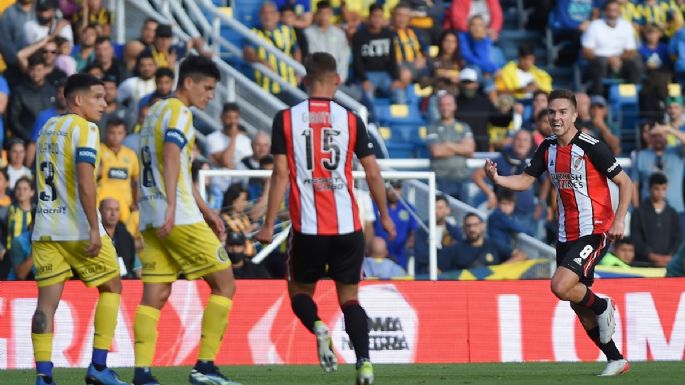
287	7
657	179
607	3
323	4
26	179
36	59
115	121
472	214
230	106
197	67
319	64
375	7
441	197
540	92
150	20
102	39
232	193
3	172
506	195
80	82
542	114
59	40
93	65
526	50
564	94
164	72
164	30
13	141
402	4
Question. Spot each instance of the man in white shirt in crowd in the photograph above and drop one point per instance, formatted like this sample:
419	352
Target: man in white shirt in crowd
226	148
46	24
610	48
133	89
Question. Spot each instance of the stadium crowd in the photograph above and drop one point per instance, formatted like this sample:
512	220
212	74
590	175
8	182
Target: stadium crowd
443	58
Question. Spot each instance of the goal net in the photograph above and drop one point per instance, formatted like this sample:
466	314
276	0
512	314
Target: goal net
417	193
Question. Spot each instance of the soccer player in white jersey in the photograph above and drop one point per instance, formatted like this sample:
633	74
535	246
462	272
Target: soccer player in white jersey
67	233
179	230
313	143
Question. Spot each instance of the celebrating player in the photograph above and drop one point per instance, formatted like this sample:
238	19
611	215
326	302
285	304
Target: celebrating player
175	224
579	166
313	143
67	233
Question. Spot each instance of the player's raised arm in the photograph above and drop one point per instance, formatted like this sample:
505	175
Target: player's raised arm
518	182
279	183
377	189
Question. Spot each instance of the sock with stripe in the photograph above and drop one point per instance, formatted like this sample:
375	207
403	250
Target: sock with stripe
591	301
145	332
106	313
305	309
42	352
357	328
609	349
214	322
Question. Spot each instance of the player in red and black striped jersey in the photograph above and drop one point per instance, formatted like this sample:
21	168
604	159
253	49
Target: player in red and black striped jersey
580	168
313	144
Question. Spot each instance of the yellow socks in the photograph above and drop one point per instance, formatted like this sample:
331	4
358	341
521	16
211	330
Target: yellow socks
106	314
42	346
214	321
145	331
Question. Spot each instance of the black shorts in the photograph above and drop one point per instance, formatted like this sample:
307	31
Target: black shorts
312	257
582	255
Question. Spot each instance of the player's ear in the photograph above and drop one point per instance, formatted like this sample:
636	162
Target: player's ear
306	81
337	79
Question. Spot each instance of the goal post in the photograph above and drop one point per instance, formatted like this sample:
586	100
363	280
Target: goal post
427	176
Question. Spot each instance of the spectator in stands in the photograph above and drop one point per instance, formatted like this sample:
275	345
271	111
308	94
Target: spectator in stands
427	17
84	52
448	238
600	127
243	267
610	48
622	254
374	60
503	227
288	17
444	71
378	265
522	78
93	12
16	168
134	47
664	15
164	86
104	57
450	143
32	95
654	53
48	48
113	108
675	117
570	19
121	237
227	147
64	61
540	99
5	202
20	214
660	158
477	110
280	36
478	49
59	108
132	89
46	24
461	11
401	214
301	9
676	50
261	145
512	161
324	36
655	225
167	54
4	101
234	214
542	127
411	47
476	250
13	39
118	173
20	258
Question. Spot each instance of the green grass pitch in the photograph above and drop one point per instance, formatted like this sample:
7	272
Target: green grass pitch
657	373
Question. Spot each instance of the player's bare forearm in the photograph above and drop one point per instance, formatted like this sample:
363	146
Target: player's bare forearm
625	193
279	183
520	182
375	182
201	204
172	168
87	192
134	191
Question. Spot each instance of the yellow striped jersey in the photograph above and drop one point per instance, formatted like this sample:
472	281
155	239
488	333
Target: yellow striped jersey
407	45
18	221
283	38
168	121
63	142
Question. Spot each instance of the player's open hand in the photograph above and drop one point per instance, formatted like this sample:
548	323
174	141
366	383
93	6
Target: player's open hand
216	224
490	169
616	231
389	227
95	244
168	225
265	235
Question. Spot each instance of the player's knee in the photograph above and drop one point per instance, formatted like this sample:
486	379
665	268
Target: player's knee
559	289
223	288
111	286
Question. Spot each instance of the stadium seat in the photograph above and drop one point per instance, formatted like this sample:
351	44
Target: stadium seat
400	150
623	99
